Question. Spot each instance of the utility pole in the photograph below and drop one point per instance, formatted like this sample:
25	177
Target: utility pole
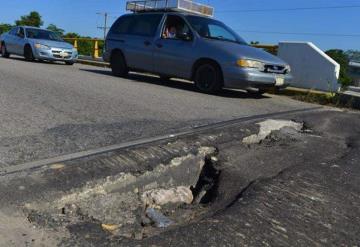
105	27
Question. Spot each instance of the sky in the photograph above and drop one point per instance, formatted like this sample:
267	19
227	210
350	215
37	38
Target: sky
266	21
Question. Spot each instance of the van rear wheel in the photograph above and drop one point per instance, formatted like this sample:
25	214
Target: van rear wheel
118	65
208	78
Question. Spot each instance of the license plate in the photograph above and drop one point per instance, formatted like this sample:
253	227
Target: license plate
63	54
279	81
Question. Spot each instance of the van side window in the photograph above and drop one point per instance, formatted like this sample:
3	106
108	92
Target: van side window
145	25
122	25
174	28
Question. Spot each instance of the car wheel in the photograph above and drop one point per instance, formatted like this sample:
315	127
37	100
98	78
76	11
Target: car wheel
4	52
118	64
208	78
28	54
69	63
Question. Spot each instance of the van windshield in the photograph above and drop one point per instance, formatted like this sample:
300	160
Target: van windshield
33	33
213	29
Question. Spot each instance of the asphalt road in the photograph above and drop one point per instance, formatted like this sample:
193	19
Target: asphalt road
52	109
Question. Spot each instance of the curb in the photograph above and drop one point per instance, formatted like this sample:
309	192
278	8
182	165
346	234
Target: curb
94	63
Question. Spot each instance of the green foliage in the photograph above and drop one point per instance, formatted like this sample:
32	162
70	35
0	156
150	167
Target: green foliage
4	28
55	29
71	35
340	57
33	19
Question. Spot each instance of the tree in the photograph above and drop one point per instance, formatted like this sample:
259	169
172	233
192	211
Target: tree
341	58
4	27
72	35
55	29
33	19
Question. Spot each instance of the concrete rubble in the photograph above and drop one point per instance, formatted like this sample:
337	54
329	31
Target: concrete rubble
160	197
270	125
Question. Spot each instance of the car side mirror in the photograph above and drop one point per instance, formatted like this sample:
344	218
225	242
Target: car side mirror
21	35
185	36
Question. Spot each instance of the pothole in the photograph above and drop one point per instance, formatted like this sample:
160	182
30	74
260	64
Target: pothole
137	205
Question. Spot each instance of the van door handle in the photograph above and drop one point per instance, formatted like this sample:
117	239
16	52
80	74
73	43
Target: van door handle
159	46
147	43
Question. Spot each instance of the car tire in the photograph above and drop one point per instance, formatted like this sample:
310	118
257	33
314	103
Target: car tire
208	78
69	63
28	53
4	52
118	64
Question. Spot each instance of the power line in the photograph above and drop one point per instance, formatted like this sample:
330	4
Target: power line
290	9
306	34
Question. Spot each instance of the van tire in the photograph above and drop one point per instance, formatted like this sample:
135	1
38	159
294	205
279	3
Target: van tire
4	52
258	92
208	77
69	63
118	64
28	53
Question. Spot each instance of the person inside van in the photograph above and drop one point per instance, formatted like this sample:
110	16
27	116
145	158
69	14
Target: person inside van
170	32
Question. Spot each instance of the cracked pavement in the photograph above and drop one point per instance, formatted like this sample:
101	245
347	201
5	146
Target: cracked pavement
292	189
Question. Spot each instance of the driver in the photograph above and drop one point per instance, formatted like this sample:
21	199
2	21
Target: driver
170	32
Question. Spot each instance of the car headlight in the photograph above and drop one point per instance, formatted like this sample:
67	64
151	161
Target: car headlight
41	46
288	68
246	63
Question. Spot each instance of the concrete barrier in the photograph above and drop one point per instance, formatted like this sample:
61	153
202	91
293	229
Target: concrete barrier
311	67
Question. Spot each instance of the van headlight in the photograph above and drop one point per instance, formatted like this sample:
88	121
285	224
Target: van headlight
41	46
247	63
288	68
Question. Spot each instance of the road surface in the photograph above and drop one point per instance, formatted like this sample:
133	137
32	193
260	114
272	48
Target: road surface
52	109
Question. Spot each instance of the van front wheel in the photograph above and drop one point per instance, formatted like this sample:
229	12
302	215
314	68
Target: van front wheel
208	78
118	65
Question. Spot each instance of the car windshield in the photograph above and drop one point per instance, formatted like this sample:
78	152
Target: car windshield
33	33
213	29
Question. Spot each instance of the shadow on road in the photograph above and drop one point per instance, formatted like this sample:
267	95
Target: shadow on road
19	58
178	84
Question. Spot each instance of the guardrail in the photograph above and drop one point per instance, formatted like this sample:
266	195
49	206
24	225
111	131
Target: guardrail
273	49
97	44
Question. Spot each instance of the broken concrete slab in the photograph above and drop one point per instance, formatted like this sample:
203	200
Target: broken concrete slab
119	201
159	197
270	125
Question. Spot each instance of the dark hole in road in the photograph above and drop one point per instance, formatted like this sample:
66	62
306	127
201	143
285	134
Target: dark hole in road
205	190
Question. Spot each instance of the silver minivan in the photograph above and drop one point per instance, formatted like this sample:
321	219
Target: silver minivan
179	44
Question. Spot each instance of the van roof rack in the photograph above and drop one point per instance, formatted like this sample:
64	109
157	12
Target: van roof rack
170	5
